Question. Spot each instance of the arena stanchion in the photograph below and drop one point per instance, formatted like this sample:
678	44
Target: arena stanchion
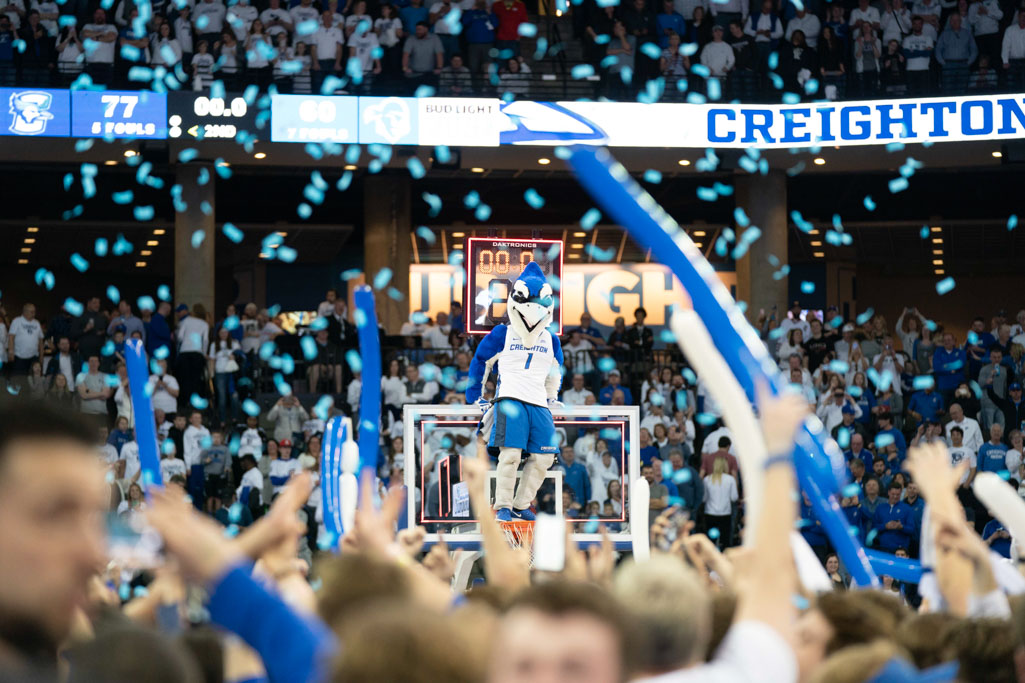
611	186
370	393
142	408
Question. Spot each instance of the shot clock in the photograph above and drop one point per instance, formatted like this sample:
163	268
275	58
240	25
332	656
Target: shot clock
207	118
492	265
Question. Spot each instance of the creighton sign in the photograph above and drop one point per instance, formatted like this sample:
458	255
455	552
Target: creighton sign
867	123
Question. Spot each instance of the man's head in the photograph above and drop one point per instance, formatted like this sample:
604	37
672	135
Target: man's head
857	442
99	16
1014	392
28	311
872	487
561	631
857	467
585	320
912	492
569	456
613	377
893	492
996	354
956	412
955	21
578	382
640	315
879	466
724	443
648	473
996	432
52	497
956	436
421	29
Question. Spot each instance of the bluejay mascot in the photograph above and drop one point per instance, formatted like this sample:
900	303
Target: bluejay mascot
529	359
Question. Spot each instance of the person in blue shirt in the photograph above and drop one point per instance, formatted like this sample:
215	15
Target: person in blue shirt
977	347
575	478
812	531
649	451
948	366
605	395
915	502
886	428
925	404
855	515
411	16
858	451
659	469
669	21
997	538
881	472
993	454
894	522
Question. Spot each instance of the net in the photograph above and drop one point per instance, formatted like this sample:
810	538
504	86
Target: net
520	534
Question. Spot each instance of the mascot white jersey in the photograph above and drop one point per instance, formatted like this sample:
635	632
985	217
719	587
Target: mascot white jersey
529	359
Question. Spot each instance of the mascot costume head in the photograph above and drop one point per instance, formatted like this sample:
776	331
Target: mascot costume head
531	304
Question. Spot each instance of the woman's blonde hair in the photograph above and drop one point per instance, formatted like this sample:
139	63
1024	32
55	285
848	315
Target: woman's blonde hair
719	468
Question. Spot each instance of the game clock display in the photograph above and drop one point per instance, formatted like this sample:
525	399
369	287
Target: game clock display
118	114
492	265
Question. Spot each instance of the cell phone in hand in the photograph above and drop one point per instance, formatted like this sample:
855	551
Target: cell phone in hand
550	543
677	521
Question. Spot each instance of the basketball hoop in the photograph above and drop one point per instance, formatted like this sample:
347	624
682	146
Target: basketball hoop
519	533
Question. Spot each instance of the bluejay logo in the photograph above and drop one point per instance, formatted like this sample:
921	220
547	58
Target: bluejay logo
390	118
30	112
528	123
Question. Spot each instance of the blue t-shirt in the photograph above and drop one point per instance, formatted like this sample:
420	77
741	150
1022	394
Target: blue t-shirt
577	480
410	17
948	367
605	395
992	458
648	453
999	545
926	404
671	21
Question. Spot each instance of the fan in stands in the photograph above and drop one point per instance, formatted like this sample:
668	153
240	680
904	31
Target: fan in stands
529	359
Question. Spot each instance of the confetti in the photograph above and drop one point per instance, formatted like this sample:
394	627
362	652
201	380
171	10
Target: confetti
146	303
923	382
1012	221
807	287
354	360
113	294
416	168
197	238
652	176
590	218
79	262
581	71
865	316
382	278
869	203
143	213
73	307
533	199
251	407
896	185
945	285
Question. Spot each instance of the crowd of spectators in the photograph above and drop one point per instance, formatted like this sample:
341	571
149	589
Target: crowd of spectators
741	49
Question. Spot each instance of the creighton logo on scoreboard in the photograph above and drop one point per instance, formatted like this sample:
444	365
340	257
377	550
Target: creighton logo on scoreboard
30	112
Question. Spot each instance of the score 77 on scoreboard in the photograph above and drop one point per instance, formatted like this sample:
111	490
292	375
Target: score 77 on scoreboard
493	264
117	114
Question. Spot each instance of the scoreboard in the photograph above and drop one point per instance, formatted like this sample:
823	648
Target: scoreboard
118	114
493	264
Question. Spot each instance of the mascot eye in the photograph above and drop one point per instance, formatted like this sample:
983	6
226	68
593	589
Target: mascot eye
520	297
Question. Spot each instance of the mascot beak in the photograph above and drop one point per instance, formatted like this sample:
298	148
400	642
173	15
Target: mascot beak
531	315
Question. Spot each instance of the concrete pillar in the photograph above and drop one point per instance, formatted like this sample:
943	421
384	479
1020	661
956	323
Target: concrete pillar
764	199
194	266
386	242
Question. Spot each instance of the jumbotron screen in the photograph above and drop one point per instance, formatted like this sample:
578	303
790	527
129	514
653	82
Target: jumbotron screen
493	264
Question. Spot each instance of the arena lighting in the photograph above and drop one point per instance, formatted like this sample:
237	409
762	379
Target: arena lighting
459	234
576	246
998	154
282	233
152	243
130	152
476	169
698	245
937	262
26	250
544	161
813	231
457	246
32	228
110	162
145	252
816	243
350	167
159	231
939	271
684	162
264	254
699	233
22	261
937	240
140	264
30	240
819	161
936	228
260	155
819	254
937	252
580	234
574	256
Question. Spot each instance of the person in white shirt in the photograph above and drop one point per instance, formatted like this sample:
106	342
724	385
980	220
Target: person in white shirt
268	330
252	479
276	19
578	352
165	51
170	466
863	13
720	495
223	359
99	62
25	341
436	335
577	394
393	389
809	24
284	466
795	320
362	48
929	11
325	49
192	335
327	306
711	442
445	25
165	390
208	20
130	457
416	325
654	417
183	32
419	389
972	433
305	11
959	452
354	391
831	412
1012	52
891	361
984	19
895	22
288	416
359	16
251	440
195	439
240	17
718	55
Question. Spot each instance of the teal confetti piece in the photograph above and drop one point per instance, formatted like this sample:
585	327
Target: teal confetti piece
187	155
309	347
304	210
865	316
382	278
707	194
79	262
581	71
343	183
924	232
652	51
590	218
944	285
146	303
472	199
869	203
533	199
416	168
424	233
482	212
197	238
897	185
113	294
83	145
198	402
354	360
124	197
843	437
741	219
232	232
143	213
350	274
923	382
287	254
606	364
164	293
73	307
1012	221
599	254
807	287
652	176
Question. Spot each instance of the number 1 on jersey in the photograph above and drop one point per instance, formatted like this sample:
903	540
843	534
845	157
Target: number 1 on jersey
529	356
